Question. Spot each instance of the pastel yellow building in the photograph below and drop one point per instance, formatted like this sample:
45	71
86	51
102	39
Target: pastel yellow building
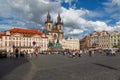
115	39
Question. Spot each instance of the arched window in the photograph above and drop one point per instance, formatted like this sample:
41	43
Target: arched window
49	26
55	36
60	27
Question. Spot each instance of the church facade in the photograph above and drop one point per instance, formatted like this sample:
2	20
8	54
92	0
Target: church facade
54	30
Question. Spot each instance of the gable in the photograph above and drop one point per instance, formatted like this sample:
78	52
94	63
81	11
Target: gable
17	35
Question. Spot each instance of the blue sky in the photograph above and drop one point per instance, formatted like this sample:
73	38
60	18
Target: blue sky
80	17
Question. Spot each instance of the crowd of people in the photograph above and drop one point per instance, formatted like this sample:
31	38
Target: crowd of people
20	54
73	53
79	53
70	53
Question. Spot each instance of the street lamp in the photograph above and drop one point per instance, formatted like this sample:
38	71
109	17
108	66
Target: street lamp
34	43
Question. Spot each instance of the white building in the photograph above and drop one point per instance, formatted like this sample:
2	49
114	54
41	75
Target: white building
23	39
70	43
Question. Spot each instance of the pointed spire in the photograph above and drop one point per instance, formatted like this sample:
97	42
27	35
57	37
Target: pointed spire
59	18
48	17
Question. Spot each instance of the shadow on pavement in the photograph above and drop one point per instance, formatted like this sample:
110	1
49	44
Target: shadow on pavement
8	65
106	66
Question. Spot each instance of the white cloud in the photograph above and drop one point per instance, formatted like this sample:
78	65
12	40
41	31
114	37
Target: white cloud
75	31
116	2
77	24
112	8
118	23
71	16
34	13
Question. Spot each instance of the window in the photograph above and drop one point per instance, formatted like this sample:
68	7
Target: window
60	27
5	37
5	43
49	26
9	38
16	38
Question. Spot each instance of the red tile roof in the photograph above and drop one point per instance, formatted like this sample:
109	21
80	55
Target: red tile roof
1	35
98	33
26	31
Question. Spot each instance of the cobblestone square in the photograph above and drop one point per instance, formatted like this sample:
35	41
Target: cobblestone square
59	67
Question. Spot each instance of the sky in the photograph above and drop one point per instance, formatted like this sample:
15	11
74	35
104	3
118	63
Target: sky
80	17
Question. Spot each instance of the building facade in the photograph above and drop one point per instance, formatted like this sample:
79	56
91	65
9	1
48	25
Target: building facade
94	39
84	43
23	39
54	31
104	40
70	43
115	39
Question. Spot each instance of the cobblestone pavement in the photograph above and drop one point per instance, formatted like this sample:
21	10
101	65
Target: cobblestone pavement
59	67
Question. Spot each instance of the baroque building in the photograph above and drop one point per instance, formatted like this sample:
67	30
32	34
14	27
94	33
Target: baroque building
54	30
115	39
84	43
23	39
94	39
104	40
70	43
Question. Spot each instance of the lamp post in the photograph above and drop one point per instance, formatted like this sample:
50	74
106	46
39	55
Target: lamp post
34	43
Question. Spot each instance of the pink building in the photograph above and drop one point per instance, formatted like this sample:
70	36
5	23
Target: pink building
23	39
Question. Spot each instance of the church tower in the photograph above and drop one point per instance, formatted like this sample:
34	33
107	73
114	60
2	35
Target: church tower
48	23
59	25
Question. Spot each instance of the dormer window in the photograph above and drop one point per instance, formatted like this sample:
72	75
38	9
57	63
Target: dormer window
43	35
8	33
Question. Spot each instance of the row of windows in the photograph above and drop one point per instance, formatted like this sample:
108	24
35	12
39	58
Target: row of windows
104	45
25	44
115	40
21	42
114	44
21	38
58	27
115	36
105	41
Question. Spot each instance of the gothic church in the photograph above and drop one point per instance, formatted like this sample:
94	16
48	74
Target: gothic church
54	30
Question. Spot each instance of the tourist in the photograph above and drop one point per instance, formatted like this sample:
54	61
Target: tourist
80	53
73	54
9	54
64	53
90	53
16	52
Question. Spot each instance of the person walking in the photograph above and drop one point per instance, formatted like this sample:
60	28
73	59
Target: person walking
90	53
80	53
8	54
16	52
73	54
93	52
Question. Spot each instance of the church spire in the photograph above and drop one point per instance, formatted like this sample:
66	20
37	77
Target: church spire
58	18
48	17
59	21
